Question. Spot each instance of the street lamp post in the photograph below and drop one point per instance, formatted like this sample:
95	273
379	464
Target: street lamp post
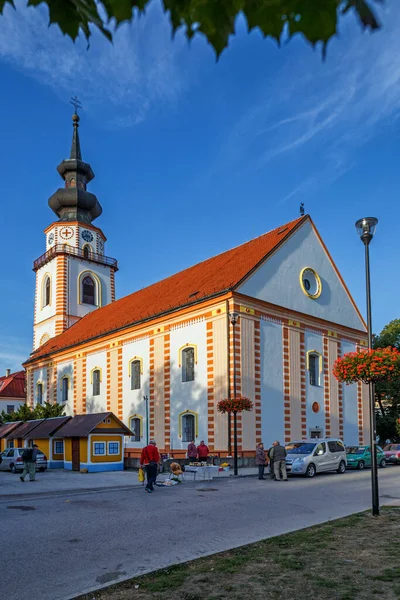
234	317
146	402
366	229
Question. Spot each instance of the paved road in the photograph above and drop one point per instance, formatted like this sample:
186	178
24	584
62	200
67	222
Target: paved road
76	543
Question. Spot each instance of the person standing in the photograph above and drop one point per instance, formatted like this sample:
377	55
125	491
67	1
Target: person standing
260	460
203	451
271	464
278	455
192	452
150	458
29	457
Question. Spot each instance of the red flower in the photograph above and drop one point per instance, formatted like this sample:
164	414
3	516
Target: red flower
234	405
367	365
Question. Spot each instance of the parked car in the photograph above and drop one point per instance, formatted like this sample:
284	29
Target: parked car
359	457
309	457
12	460
392	453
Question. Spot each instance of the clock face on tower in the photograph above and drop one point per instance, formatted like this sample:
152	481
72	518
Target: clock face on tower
50	239
66	233
87	235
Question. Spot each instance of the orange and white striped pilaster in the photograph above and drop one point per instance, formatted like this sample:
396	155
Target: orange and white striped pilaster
108	380
210	385
286	382
120	384
257	380
151	390
84	384
167	391
327	404
303	392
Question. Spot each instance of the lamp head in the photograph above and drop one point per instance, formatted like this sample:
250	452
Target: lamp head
366	228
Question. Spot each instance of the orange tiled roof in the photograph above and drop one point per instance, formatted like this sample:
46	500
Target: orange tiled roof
212	277
13	386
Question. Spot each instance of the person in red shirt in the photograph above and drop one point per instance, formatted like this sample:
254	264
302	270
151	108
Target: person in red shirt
203	451
149	459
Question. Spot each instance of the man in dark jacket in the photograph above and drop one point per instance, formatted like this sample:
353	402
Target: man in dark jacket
29	457
260	460
271	464
278	455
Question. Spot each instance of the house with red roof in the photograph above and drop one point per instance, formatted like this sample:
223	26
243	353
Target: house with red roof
12	391
265	319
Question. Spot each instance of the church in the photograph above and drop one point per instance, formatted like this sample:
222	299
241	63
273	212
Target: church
266	320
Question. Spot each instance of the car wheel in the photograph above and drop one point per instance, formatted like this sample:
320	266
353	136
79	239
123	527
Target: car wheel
13	469
310	472
342	467
42	469
383	463
361	465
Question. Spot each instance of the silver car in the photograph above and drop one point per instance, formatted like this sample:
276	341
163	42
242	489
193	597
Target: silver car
309	457
11	460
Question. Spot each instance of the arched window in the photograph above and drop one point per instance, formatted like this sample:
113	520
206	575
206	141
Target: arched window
313	368
47	291
39	393
96	380
64	389
136	428
87	251
188	427
188	364
88	290
135	375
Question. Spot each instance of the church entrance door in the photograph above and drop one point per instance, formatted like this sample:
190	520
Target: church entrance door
76	458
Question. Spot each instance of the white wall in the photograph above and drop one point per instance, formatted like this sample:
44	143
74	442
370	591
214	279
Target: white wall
78	266
10	402
189	395
277	281
50	310
133	402
66	368
98	403
272	409
350	409
314	341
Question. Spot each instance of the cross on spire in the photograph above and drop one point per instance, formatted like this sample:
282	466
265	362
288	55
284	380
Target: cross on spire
76	103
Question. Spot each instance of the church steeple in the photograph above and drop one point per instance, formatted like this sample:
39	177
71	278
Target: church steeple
74	202
76	145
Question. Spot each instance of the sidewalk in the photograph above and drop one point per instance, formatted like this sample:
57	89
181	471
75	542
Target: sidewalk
58	481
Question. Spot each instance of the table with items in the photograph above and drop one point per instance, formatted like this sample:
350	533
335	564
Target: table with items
203	470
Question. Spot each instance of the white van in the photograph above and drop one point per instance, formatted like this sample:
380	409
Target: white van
309	457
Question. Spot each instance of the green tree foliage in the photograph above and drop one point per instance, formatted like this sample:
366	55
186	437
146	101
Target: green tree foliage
316	20
387	393
25	413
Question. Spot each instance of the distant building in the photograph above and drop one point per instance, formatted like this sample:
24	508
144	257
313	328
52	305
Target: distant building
161	358
12	391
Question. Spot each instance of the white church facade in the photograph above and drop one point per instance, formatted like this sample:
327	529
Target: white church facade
161	358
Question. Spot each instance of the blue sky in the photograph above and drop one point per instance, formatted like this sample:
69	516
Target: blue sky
191	156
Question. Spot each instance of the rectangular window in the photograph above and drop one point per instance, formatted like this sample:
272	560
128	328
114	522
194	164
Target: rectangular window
10	409
135	428
96	382
64	390
99	448
40	393
135	375
188	428
188	364
313	360
113	447
59	447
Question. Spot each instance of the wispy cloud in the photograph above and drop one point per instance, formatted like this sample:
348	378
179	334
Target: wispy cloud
141	70
325	109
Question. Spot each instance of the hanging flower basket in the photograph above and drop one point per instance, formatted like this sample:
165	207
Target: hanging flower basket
368	366
234	405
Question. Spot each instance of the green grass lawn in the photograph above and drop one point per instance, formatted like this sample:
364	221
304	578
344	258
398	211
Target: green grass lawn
356	558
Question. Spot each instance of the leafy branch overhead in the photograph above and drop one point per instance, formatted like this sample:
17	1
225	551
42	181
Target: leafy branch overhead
316	20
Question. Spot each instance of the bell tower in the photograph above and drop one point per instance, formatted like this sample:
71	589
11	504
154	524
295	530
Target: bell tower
73	276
